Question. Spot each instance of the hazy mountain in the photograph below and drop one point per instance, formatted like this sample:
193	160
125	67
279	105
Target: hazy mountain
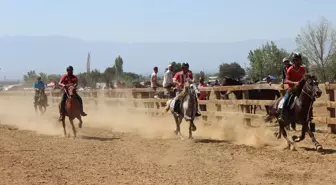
52	54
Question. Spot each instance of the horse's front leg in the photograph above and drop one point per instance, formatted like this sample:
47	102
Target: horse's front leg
73	127
192	128
289	142
303	133
318	146
63	124
80	121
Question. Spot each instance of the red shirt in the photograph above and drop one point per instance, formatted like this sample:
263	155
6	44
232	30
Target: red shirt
181	78
190	74
295	75
68	80
203	94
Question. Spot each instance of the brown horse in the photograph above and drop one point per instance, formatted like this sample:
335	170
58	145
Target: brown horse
72	110
298	110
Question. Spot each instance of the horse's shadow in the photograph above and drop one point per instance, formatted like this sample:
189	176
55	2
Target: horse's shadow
210	141
99	138
324	151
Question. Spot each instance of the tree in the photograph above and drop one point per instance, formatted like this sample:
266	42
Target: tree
118	64
53	78
266	60
232	70
30	76
44	77
317	41
177	67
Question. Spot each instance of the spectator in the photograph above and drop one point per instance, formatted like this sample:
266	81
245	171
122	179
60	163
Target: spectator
168	80
154	78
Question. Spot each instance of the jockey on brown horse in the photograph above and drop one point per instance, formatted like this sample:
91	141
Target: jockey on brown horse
67	80
293	75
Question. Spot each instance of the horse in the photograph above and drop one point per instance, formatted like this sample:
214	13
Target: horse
299	110
41	101
187	108
72	110
256	94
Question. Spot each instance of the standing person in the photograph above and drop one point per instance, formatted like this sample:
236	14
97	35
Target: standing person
293	75
168	79
66	80
39	84
154	78
286	65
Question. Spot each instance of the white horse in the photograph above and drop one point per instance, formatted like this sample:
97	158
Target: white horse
187	107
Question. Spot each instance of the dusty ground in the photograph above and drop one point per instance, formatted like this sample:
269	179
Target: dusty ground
120	147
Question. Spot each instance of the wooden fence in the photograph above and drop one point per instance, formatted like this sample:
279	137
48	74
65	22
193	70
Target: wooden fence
145	95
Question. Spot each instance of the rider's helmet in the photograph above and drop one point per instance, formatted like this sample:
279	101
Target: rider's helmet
187	65
69	68
297	56
38	78
285	60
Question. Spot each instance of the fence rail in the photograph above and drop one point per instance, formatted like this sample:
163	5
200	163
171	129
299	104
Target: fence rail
147	94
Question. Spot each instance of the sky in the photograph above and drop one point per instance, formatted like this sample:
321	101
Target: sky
162	20
159	21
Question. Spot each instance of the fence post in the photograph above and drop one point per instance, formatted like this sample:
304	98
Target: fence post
247	109
331	92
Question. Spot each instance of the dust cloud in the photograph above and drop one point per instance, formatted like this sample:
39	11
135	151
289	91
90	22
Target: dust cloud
19	112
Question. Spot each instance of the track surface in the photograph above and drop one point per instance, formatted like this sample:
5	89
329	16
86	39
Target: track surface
118	147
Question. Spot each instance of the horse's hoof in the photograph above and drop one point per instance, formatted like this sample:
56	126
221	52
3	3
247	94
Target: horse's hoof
175	132
295	138
191	137
319	148
80	125
193	129
292	148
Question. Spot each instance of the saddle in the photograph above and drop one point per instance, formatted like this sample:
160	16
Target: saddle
290	103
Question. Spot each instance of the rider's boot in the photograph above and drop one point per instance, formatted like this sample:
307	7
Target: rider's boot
82	111
282	115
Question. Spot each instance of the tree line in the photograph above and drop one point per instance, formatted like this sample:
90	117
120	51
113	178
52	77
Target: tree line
316	42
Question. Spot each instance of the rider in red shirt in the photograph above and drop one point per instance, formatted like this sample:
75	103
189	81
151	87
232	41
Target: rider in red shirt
294	74
66	80
180	78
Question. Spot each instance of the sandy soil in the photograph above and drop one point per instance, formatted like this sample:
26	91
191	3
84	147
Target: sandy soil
120	147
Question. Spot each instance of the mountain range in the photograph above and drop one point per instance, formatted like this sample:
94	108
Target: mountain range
51	54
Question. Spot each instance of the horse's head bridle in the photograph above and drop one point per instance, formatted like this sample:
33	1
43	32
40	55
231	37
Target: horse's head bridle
311	88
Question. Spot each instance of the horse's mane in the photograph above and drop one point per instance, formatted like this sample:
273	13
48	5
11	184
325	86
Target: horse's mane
185	89
299	87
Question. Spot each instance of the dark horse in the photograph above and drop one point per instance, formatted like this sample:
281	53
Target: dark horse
255	94
307	91
72	110
41	101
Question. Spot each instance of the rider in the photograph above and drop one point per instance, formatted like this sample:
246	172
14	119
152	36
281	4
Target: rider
179	79
286	65
293	75
39	84
69	79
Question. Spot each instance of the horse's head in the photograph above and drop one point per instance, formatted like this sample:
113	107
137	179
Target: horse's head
309	85
71	90
231	82
191	88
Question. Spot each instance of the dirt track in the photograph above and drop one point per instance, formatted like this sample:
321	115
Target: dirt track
117	147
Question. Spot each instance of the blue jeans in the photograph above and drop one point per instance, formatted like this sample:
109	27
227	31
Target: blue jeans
286	96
